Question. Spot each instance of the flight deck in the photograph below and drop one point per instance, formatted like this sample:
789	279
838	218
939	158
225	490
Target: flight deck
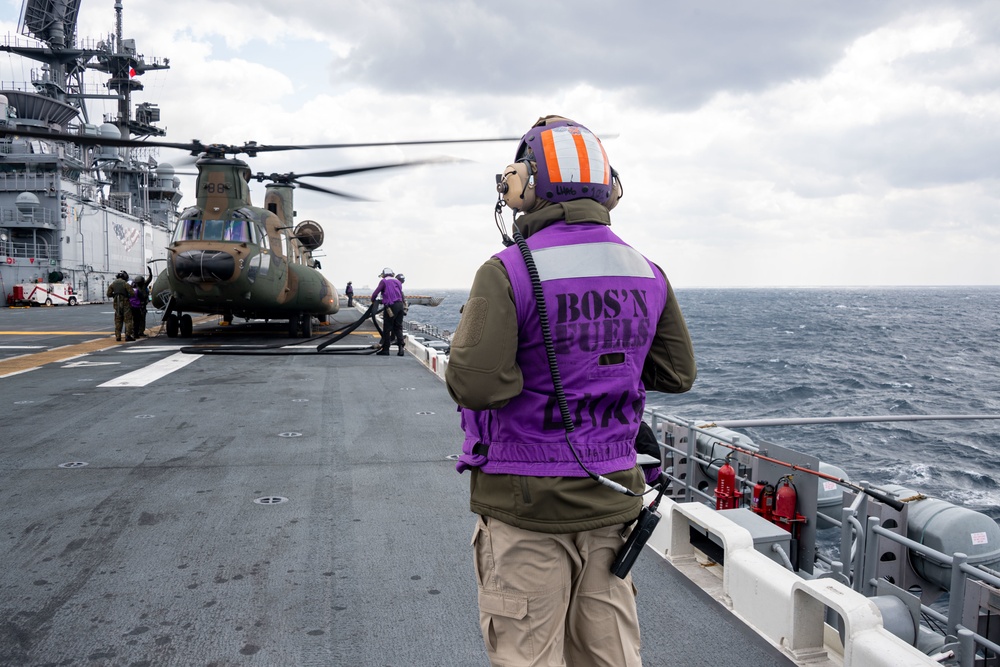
298	509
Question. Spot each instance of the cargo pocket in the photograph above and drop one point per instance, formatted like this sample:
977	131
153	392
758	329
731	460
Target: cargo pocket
501	614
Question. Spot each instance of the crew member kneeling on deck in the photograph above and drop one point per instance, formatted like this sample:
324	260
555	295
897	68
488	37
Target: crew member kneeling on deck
547	533
392	316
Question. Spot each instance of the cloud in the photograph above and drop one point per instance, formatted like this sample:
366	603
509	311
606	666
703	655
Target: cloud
778	143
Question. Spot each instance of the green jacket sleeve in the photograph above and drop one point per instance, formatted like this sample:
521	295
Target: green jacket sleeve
482	367
670	366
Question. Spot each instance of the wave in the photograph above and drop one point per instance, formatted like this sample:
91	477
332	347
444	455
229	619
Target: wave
766	353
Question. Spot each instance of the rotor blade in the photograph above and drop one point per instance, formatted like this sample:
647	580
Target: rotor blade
250	148
85	140
371	144
355	170
307	186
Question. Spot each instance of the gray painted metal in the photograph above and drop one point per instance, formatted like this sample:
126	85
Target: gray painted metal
801	421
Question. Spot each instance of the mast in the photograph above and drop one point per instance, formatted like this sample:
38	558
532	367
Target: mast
80	212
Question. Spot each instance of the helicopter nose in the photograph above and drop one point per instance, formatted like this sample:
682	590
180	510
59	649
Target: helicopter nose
204	266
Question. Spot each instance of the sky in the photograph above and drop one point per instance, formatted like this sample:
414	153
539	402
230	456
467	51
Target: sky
768	143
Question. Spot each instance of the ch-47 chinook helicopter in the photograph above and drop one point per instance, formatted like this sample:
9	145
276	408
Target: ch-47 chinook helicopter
231	258
228	257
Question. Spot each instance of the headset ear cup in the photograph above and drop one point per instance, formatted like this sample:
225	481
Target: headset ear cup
520	192
616	191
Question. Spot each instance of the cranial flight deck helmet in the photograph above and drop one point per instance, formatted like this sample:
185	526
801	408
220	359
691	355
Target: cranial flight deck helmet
387	272
558	160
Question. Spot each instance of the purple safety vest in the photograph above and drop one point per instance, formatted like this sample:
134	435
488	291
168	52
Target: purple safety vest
390	289
604	300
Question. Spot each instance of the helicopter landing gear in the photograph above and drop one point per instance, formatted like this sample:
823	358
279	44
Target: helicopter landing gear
172	325
179	326
227	318
301	321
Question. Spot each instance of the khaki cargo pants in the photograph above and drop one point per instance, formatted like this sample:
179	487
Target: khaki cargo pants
550	599
123	317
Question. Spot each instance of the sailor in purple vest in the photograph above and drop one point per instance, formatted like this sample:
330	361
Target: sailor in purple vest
547	533
392	317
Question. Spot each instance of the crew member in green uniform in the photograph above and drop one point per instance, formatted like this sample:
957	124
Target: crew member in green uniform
122	292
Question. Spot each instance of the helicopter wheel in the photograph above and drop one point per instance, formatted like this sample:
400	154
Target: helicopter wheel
227	318
293	325
172	326
307	325
186	326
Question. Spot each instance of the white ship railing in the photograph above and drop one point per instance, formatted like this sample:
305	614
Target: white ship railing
34	250
843	589
430	329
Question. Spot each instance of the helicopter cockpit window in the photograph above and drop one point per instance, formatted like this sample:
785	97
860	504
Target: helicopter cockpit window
236	230
188	230
214	230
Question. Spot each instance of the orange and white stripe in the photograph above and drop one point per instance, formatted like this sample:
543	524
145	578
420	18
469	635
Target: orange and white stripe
574	155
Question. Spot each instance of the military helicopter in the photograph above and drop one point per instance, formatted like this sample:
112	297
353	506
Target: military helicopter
230	258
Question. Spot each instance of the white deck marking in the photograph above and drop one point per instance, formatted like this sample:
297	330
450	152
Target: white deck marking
84	364
21	347
151	348
153	372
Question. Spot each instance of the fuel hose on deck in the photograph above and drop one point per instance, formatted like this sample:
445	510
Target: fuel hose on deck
283	348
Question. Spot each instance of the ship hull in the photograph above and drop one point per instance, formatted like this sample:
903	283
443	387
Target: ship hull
96	244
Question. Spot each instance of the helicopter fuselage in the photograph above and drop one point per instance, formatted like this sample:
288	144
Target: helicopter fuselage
230	258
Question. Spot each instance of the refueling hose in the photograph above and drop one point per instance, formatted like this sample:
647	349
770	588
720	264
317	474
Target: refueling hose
283	349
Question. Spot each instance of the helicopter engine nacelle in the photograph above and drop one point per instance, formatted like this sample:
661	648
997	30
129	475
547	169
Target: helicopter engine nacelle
309	234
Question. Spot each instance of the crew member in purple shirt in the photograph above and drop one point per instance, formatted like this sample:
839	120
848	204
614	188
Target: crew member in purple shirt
392	317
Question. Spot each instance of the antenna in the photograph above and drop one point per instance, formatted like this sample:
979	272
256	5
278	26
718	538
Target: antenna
51	22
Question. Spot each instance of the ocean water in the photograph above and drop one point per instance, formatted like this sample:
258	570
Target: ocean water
774	353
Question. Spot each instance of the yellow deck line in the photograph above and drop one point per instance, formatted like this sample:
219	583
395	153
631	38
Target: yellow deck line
37	360
31	361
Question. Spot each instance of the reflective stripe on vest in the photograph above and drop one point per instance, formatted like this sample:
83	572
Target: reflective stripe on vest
588	260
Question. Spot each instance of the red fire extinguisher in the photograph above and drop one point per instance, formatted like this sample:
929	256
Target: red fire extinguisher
725	487
784	505
762	500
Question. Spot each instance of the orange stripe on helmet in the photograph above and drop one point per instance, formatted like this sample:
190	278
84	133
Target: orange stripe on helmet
551	158
581	153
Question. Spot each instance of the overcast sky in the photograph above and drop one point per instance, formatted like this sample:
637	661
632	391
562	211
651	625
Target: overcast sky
764	143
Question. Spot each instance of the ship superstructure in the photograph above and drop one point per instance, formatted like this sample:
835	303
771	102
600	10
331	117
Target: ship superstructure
76	214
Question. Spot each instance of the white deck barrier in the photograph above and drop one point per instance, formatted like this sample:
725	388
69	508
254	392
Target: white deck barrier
436	361
781	606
